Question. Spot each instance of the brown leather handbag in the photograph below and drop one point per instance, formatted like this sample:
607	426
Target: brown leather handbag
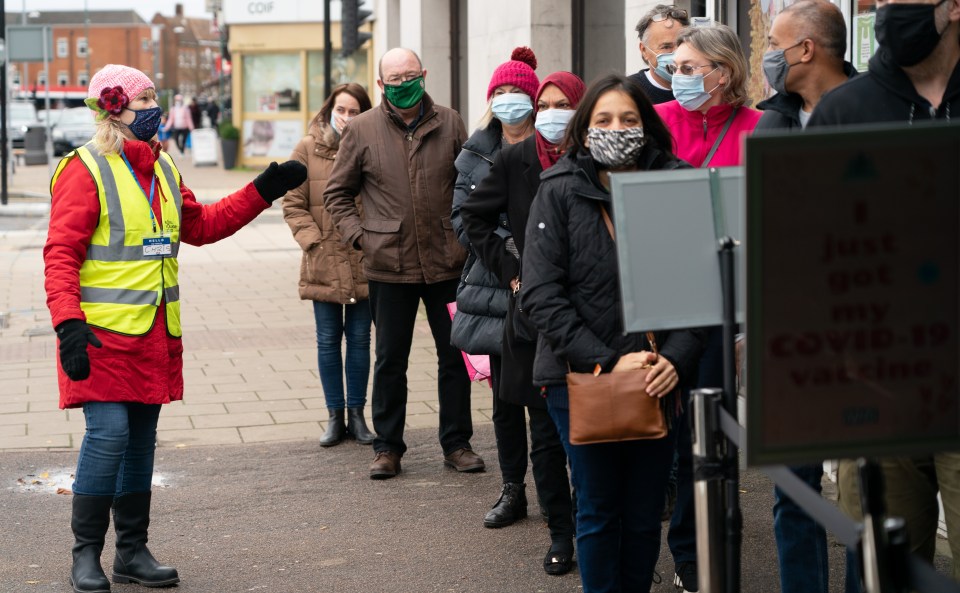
613	407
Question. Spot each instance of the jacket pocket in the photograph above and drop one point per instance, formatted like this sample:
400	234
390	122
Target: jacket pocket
381	244
456	255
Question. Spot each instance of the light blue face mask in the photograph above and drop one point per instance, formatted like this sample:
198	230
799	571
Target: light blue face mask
512	108
552	123
688	90
663	60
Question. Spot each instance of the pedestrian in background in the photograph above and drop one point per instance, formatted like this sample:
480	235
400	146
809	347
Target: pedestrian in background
913	77
179	122
118	215
804	59
570	288
398	158
481	300
510	188
331	274
707	121
658	31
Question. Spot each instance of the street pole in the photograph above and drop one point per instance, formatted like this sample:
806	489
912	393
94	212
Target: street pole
46	97
4	152
86	33
327	50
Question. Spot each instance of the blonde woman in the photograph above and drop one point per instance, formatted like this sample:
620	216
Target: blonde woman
118	215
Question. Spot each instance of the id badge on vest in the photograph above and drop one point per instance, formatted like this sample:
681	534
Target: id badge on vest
157	245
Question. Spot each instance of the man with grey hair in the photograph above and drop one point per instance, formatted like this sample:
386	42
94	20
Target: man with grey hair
657	31
398	160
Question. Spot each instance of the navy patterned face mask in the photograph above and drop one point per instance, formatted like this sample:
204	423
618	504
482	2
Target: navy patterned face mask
145	123
616	149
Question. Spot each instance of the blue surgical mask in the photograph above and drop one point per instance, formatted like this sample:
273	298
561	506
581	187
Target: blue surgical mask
552	123
689	92
512	108
663	60
145	123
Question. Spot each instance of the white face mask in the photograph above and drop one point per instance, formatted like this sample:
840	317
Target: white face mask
688	90
552	123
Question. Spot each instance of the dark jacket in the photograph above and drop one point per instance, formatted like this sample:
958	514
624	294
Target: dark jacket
481	302
509	188
570	278
654	93
883	94
782	112
405	178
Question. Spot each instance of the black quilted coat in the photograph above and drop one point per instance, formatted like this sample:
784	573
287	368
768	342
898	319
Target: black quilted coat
570	285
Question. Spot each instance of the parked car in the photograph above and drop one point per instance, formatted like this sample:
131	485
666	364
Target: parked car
20	115
71	128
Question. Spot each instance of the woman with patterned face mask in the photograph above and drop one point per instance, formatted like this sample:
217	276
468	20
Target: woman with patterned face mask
331	273
570	289
509	188
710	115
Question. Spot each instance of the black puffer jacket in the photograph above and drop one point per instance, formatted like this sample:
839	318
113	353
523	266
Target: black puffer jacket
570	284
884	94
481	302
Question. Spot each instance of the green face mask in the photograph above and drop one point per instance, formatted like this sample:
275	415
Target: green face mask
406	94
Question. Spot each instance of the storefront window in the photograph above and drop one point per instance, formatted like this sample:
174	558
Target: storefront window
864	40
271	83
350	69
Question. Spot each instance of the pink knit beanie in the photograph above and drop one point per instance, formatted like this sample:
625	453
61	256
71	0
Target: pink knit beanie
132	81
519	72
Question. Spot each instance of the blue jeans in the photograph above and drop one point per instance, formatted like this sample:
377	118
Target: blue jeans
116	456
333	322
620	489
801	541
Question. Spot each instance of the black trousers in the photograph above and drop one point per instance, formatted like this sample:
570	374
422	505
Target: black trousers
180	137
394	310
546	454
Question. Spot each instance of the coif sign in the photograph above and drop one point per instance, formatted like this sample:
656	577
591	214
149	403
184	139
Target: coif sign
272	11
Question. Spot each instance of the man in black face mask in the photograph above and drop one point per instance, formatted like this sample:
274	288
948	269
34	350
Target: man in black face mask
914	74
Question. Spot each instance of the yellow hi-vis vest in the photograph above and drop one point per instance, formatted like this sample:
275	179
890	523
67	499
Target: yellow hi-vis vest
120	288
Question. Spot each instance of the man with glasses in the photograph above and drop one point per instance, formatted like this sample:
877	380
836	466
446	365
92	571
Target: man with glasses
398	161
658	30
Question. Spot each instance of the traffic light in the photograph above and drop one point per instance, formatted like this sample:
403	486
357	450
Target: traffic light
351	18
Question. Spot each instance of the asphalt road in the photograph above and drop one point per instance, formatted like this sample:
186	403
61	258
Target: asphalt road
291	517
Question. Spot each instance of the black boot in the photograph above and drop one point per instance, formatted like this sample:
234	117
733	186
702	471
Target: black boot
90	521
510	507
336	429
357	426
134	563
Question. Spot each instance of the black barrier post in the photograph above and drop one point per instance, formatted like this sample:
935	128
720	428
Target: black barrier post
885	549
708	476
733	518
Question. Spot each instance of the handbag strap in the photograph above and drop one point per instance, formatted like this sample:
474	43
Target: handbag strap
723	133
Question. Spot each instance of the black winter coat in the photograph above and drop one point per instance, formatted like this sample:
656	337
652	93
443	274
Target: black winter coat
509	188
570	278
782	112
481	302
884	94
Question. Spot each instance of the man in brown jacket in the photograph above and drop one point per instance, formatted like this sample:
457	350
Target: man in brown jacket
399	158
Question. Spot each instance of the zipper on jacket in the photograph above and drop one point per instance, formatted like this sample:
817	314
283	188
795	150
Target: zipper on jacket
704	126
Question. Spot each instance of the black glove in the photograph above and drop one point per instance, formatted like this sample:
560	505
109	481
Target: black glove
74	335
276	180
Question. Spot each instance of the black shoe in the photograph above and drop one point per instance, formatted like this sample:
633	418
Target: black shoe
134	563
90	521
559	558
336	429
685	578
357	426
509	508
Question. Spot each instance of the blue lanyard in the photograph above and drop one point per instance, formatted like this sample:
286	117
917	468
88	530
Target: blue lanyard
153	186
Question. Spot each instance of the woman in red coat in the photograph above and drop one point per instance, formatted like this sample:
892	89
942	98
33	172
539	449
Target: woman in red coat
118	215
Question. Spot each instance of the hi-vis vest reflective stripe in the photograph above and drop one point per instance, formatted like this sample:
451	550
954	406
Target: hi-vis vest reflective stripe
120	289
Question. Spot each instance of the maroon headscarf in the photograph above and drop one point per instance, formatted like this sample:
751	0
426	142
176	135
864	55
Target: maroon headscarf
573	88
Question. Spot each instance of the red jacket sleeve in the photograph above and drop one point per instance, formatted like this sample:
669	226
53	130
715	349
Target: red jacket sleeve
208	223
74	213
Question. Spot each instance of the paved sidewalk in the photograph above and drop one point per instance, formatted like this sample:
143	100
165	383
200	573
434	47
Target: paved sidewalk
250	355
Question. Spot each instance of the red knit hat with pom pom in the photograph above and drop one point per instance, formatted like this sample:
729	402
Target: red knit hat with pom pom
519	72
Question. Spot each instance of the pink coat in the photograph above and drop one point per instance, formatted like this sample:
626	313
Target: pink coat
694	132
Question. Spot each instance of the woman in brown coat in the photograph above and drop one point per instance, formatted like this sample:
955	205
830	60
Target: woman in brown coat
330	273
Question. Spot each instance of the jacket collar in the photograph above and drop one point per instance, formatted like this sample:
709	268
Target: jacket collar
789	105
326	139
583	167
428	113
716	115
894	79
142	155
486	141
